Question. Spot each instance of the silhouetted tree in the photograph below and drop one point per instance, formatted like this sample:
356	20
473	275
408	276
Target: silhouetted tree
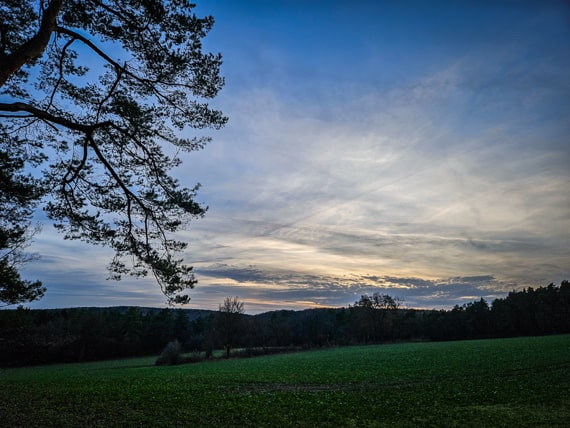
160	329
478	318
504	318
130	334
376	315
98	88
563	308
544	310
181	326
18	195
229	322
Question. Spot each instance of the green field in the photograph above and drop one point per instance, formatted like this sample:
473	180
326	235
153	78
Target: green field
501	382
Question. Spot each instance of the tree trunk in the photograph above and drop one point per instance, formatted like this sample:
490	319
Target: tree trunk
34	47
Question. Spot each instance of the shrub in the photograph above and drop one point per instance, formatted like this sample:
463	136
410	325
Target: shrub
171	354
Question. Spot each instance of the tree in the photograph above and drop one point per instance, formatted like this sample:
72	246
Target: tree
18	195
478	315
101	89
229	322
375	314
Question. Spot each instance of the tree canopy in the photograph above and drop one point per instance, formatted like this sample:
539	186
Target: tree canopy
18	194
98	93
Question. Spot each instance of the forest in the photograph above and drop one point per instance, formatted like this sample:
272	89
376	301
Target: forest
31	337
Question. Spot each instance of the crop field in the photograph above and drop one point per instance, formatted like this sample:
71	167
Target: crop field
501	382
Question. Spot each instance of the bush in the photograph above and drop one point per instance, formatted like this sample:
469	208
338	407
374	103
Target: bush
171	355
194	357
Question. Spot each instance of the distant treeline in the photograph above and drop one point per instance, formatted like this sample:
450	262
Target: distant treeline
70	335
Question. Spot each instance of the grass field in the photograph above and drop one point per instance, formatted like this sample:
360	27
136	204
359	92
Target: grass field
503	382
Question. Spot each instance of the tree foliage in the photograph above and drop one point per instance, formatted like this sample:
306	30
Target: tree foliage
103	87
376	314
378	301
18	194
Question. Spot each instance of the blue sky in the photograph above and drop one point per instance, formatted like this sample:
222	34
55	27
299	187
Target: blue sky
418	149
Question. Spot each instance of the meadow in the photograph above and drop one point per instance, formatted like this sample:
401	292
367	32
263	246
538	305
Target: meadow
500	382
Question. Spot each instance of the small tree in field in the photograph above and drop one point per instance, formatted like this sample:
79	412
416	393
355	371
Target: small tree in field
229	322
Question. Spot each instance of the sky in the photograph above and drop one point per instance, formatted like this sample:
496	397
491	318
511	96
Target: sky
418	149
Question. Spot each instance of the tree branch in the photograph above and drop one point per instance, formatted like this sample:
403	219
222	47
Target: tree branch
34	47
94	48
143	80
128	192
44	115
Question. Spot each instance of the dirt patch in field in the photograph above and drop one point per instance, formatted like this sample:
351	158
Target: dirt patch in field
288	387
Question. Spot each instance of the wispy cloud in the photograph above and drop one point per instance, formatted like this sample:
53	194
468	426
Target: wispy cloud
410	193
422	165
